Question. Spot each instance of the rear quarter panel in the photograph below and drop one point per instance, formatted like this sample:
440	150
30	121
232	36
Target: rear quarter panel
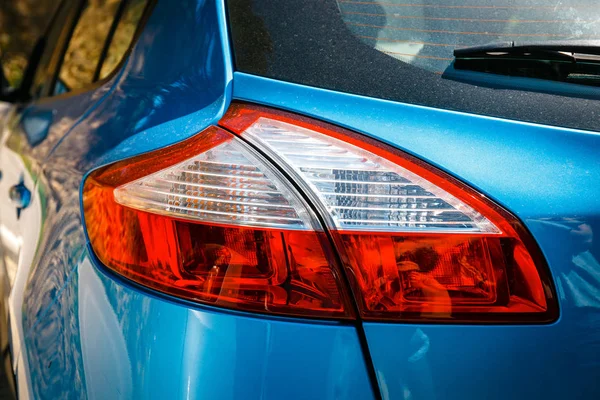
549	178
90	335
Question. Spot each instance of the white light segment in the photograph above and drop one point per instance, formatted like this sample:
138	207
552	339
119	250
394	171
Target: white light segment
226	184
363	191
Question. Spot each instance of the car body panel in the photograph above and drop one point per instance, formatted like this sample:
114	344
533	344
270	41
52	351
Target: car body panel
548	177
120	342
491	362
19	230
75	315
128	118
490	154
87	333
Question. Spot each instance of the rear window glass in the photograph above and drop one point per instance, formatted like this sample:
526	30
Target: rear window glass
401	50
425	33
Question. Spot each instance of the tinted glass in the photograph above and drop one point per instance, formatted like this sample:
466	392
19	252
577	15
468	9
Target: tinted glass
22	23
54	39
425	33
400	50
86	44
123	36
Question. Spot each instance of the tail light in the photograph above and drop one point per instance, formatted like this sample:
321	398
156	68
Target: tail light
209	220
258	224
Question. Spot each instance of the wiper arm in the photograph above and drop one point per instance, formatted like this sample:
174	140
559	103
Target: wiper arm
590	47
576	61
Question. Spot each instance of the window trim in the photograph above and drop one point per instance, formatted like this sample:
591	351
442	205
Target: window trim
109	38
63	50
48	97
27	90
61	42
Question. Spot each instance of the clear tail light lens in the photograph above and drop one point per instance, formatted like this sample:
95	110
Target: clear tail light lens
362	191
209	220
416	243
260	222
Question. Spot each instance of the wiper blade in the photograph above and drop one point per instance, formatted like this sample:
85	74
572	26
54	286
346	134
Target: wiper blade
574	61
587	47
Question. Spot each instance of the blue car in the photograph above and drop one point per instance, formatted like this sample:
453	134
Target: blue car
308	199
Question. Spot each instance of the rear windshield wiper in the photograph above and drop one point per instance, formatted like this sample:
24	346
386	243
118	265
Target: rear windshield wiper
576	61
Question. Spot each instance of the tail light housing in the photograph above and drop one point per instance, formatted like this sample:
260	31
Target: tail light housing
276	213
209	220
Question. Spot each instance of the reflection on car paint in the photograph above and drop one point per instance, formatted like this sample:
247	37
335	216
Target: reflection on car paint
127	116
142	338
537	172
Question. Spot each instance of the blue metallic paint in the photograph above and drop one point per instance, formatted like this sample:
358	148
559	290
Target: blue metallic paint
549	178
144	104
84	329
119	342
88	335
531	169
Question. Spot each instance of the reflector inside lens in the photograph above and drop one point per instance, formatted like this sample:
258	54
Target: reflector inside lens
441	276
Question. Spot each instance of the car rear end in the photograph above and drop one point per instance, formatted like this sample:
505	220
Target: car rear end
315	212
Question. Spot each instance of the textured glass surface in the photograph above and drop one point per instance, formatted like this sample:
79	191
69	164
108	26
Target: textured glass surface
225	184
362	191
424	33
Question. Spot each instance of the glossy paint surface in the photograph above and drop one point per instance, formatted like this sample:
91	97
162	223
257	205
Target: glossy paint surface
148	104
549	178
20	225
141	97
87	334
123	343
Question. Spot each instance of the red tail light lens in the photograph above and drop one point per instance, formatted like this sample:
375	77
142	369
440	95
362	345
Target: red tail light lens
416	243
234	221
209	220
